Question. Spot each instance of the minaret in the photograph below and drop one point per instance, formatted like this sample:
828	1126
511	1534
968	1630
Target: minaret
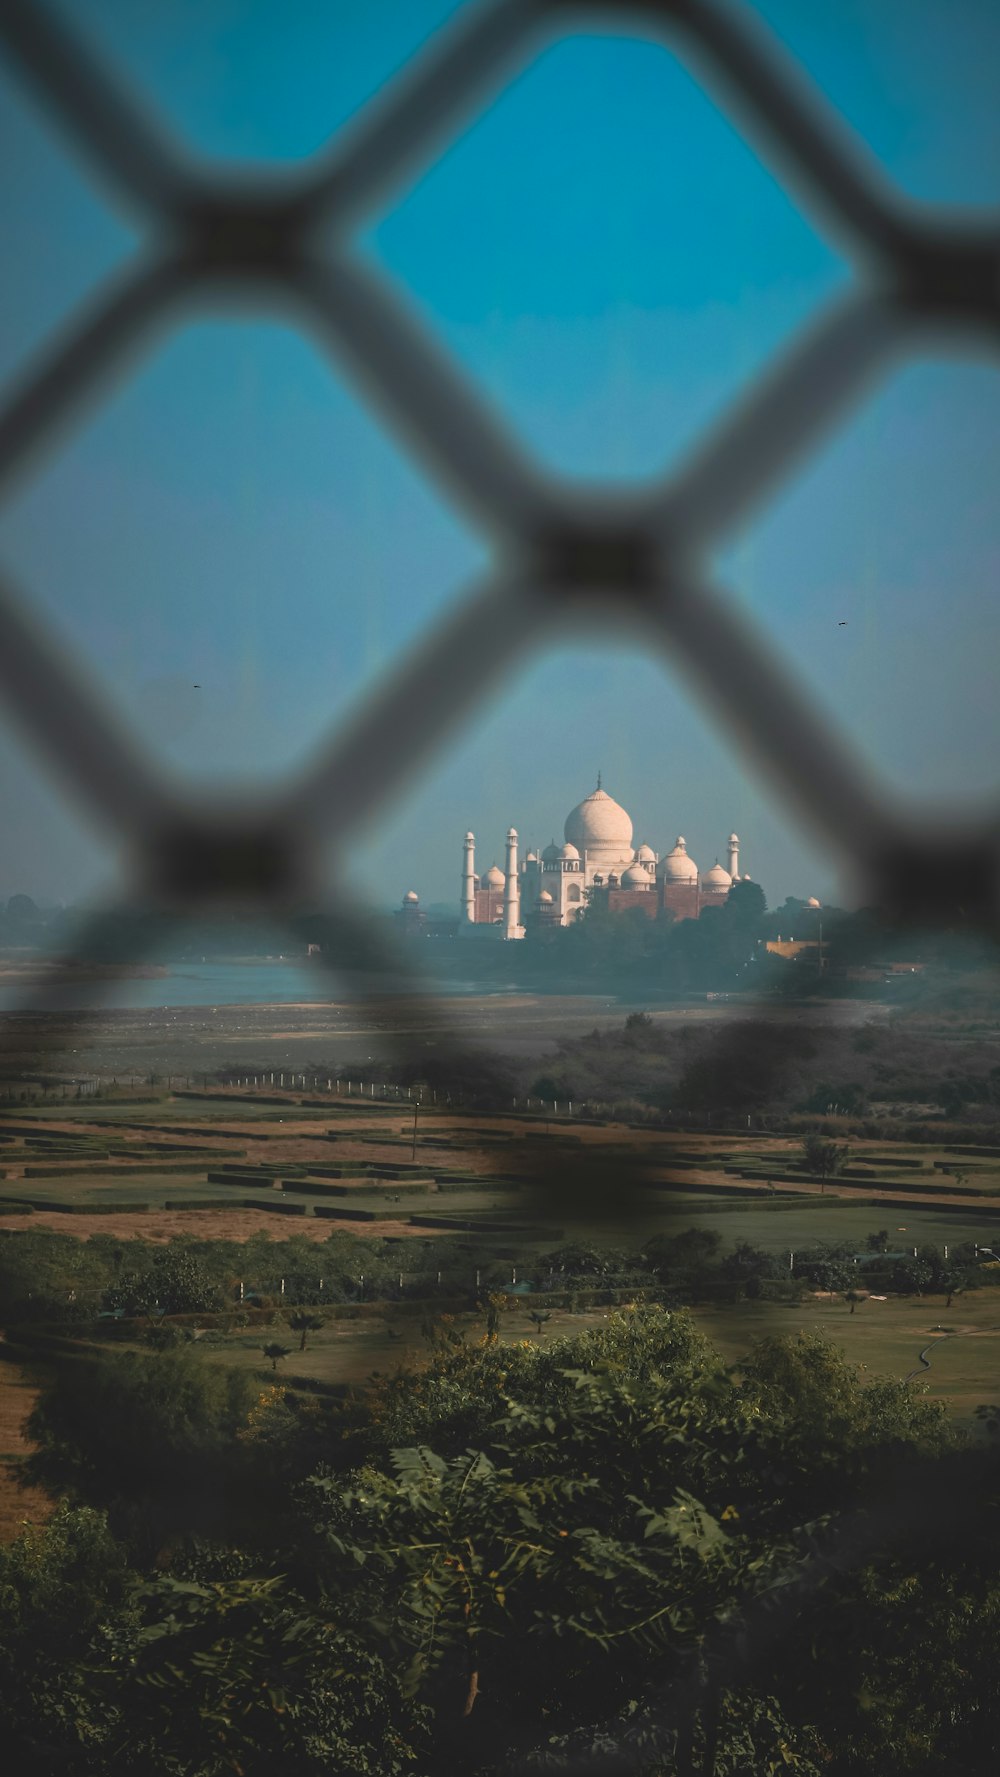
733	866
469	881
511	903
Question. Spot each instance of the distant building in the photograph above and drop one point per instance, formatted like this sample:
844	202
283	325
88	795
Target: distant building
552	888
411	921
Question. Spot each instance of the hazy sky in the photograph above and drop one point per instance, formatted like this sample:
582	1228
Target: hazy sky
610	262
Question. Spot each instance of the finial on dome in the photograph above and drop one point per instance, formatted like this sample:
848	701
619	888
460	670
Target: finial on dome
598	780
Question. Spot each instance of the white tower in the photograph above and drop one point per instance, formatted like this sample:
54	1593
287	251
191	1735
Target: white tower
511	903
469	881
733	865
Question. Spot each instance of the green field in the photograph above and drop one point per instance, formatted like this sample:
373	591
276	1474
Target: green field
780	1227
885	1337
457	1149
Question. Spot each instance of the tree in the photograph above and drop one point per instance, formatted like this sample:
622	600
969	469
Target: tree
911	1277
135	1433
693	1251
952	1282
304	1324
746	905
495	1304
22	909
275	1352
746	1266
824	1159
538	1553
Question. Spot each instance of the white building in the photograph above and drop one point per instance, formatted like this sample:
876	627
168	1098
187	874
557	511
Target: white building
597	853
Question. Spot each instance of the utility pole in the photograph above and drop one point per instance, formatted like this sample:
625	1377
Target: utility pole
416	1109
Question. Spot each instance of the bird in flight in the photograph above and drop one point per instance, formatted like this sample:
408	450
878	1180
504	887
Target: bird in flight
843	623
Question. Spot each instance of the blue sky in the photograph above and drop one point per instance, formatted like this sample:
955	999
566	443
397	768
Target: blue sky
610	262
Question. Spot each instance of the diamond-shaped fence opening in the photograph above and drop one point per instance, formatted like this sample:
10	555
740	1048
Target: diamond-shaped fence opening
170	591
634	557
722	262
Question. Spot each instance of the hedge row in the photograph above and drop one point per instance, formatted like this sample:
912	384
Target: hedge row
154	1170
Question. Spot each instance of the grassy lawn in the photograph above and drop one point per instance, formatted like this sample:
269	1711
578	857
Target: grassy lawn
887	1338
780	1227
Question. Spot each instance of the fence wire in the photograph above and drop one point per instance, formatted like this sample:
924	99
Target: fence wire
635	561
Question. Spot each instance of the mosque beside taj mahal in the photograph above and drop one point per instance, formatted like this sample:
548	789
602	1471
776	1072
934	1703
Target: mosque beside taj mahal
598	855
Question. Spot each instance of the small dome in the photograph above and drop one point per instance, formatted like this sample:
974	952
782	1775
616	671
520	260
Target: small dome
470	836
613	879
645	854
569	851
677	866
717	878
545	898
411	899
734	839
812	902
531	857
493	878
600	824
551	854
636	877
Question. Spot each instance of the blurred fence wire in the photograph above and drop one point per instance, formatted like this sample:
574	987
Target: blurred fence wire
635	561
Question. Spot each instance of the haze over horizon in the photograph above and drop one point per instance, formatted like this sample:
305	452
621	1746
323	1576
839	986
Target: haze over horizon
237	548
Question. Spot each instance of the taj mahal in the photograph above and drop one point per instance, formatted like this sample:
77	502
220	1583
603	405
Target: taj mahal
598	854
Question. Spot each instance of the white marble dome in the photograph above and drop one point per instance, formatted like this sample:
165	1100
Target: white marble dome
545	897
812	902
570	852
717	878
494	877
678	865
636	877
600	824
411	898
645	854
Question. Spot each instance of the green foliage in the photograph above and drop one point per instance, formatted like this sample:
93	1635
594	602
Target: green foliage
245	1674
695	1251
748	1266
139	1433
174	1279
531	1549
61	1591
741	1067
455	1399
304	1324
825	1431
823	1158
107	1673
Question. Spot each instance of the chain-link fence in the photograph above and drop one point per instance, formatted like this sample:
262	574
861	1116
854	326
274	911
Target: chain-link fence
627	561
